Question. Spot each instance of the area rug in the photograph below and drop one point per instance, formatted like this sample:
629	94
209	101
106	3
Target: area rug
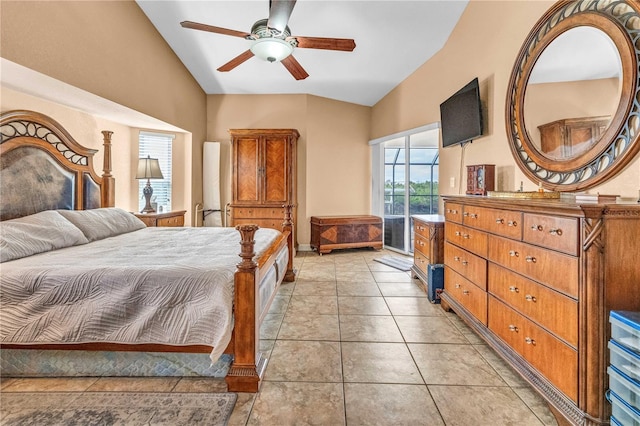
115	408
396	262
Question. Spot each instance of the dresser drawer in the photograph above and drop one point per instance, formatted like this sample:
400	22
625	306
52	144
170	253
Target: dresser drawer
472	267
537	346
502	222
421	261
421	245
468	238
554	311
469	295
171	221
453	212
259	212
556	270
556	233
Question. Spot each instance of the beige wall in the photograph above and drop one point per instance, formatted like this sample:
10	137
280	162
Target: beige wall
333	156
110	49
484	44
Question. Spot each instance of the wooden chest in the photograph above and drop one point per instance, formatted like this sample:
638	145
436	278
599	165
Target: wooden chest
340	232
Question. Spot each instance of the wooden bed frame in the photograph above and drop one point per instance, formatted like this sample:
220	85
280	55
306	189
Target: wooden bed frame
84	189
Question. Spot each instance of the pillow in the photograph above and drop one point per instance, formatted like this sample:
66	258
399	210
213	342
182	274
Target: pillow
40	232
97	224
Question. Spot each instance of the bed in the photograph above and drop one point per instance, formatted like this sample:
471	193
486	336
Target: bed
79	274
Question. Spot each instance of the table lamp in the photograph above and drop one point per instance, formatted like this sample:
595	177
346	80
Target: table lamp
148	168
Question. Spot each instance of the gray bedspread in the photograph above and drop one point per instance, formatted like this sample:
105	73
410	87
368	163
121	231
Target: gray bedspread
155	285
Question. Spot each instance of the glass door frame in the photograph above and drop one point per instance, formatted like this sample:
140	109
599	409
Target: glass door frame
378	178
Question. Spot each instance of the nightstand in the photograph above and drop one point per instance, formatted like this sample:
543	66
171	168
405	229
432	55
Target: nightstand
175	218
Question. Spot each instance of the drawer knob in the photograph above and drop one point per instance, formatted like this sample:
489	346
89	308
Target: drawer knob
513	253
452	211
536	227
465	291
465	262
530	298
456	258
512	223
557	232
530	259
458	286
465	236
500	220
458	233
513	327
473	215
514	289
529	341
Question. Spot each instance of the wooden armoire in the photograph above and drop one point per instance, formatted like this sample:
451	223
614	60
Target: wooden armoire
263	176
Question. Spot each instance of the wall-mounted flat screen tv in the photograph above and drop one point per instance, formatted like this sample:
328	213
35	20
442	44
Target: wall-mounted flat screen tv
461	115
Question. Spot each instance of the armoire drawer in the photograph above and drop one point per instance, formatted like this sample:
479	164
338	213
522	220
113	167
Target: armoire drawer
472	267
262	223
554	311
469	295
556	233
557	270
502	222
453	212
258	212
468	238
537	346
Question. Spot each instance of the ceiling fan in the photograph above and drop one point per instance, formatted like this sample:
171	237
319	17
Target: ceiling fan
272	40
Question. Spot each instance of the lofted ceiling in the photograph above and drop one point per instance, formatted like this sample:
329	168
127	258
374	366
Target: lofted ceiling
393	38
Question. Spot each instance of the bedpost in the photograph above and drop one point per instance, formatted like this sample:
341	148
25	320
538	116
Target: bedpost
108	197
290	275
246	369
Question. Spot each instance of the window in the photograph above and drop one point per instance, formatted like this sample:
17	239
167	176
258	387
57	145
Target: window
157	145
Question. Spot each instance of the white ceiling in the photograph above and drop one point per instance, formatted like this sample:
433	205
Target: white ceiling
393	38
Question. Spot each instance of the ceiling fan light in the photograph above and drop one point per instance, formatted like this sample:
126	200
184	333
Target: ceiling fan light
271	49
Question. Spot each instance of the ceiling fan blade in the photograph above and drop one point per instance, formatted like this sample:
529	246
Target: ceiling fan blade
236	61
279	13
212	29
294	67
345	44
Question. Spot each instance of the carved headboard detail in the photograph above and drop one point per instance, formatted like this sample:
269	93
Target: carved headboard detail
42	167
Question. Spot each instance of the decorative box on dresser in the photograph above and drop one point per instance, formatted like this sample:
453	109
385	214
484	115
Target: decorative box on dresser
175	218
263	176
537	280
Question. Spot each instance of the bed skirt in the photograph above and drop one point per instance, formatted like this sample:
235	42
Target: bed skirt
59	363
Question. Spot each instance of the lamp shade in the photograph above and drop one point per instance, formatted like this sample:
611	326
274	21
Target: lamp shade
271	49
149	168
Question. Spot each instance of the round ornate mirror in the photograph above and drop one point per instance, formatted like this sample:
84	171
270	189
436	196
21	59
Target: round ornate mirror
573	97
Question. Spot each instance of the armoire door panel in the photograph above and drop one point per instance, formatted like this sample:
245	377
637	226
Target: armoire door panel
247	163
275	171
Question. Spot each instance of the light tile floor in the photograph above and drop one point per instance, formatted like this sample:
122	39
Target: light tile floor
356	342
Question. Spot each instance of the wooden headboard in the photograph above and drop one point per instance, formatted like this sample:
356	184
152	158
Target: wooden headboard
43	168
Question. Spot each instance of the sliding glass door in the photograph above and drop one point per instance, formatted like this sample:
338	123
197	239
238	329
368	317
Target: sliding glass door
408	183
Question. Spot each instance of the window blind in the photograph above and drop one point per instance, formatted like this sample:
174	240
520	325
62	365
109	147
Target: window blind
157	145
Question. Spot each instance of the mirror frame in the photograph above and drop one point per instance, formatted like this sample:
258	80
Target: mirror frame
619	144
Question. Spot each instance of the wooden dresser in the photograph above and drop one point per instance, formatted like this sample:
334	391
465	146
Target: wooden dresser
428	243
175	218
537	280
263	176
